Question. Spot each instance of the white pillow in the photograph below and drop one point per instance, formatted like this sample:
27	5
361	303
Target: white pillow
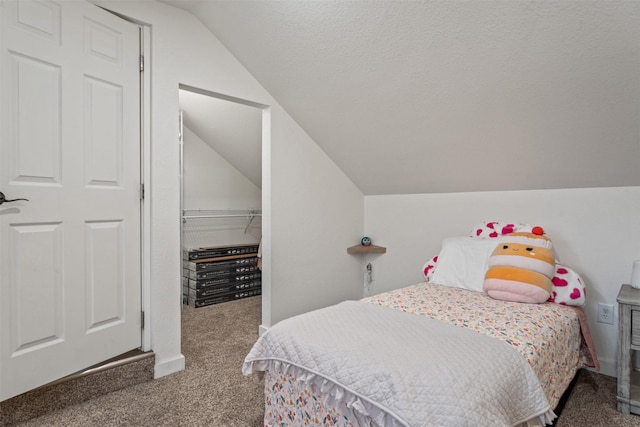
462	262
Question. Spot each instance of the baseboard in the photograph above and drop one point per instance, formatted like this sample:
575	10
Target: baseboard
262	329
608	367
168	367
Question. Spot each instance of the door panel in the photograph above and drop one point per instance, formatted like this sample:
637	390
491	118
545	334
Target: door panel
44	139
105	284
33	245
70	143
103	122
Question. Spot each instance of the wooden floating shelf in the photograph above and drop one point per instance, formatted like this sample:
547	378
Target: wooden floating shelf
372	249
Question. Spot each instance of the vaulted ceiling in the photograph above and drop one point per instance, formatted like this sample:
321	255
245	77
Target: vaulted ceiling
232	129
450	96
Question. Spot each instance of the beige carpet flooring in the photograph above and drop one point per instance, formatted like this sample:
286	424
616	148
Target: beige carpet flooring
212	391
592	403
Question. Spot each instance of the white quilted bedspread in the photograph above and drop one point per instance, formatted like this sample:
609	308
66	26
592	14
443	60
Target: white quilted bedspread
386	367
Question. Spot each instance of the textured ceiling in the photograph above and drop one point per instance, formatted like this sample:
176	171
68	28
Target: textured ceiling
449	96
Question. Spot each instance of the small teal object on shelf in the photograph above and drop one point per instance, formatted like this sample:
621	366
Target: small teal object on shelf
365	241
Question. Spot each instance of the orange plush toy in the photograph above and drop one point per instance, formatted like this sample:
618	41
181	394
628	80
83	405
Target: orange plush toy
521	268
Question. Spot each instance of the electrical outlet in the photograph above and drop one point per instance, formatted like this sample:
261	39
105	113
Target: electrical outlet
605	313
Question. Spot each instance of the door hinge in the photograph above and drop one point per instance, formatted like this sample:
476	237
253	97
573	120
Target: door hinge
141	63
141	191
142	320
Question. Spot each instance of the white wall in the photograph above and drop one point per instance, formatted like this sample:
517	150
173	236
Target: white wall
595	231
316	215
311	210
211	182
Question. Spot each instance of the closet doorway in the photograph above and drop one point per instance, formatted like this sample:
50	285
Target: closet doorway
221	195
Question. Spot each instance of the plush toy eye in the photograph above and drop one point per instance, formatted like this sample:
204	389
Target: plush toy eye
505	247
529	249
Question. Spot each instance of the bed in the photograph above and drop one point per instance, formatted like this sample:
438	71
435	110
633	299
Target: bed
429	354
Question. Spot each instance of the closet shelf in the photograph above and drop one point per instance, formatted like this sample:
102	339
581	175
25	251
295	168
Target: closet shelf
220	213
249	214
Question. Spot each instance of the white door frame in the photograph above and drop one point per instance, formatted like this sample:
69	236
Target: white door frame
145	123
266	196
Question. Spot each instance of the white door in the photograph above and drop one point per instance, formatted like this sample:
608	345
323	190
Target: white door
69	143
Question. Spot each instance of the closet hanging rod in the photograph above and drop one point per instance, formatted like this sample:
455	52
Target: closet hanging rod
222	216
224	211
250	214
220	212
